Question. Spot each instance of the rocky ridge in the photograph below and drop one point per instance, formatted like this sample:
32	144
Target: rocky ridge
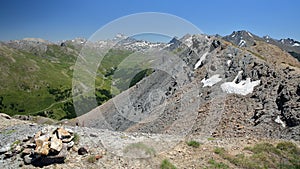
267	109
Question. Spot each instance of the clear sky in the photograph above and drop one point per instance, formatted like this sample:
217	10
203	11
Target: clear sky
66	19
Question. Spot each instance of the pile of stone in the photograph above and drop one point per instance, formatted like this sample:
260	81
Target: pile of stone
48	146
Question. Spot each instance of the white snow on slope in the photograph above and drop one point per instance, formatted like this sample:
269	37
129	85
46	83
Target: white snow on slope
296	44
228	62
211	81
242	43
250	34
203	57
189	41
279	121
244	87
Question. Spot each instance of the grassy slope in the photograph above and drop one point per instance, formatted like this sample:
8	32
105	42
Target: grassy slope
40	84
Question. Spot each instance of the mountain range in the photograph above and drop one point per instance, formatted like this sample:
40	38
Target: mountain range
235	89
41	72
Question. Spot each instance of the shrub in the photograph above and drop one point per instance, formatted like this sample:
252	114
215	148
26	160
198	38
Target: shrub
91	159
219	150
193	143
210	138
166	164
215	164
76	138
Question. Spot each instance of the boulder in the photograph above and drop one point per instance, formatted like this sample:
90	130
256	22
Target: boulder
56	144
4	149
64	135
82	151
42	145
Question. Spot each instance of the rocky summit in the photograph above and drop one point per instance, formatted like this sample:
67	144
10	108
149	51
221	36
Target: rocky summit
200	101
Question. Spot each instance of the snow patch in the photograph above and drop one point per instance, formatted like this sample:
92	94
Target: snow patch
296	44
244	87
268	41
228	62
250	34
189	41
233	36
211	81
279	121
168	45
242	43
203	57
141	44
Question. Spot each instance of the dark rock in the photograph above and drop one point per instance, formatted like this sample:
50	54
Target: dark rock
215	44
63	44
93	135
8	154
82	151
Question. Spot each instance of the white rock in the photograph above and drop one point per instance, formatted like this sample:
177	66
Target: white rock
56	144
27	159
70	144
5	148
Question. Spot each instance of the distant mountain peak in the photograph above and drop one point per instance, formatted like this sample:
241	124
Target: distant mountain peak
120	36
36	40
241	38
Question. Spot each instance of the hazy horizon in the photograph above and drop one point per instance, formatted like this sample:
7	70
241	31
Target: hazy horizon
62	20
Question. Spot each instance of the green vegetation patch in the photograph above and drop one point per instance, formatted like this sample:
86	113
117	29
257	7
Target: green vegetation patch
214	164
140	147
166	164
285	155
92	159
193	143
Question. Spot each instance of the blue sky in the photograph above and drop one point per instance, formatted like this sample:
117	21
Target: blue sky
66	19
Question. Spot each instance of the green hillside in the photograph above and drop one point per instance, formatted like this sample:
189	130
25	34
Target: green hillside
40	82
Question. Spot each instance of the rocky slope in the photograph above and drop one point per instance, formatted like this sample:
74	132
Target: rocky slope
201	97
101	148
